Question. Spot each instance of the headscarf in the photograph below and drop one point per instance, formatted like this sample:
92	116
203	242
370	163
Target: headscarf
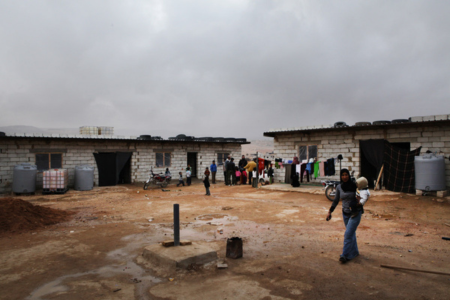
296	161
348	186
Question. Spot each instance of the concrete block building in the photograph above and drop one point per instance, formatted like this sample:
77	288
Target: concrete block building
432	133
116	159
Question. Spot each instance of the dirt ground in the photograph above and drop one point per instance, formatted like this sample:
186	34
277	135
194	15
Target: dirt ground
290	251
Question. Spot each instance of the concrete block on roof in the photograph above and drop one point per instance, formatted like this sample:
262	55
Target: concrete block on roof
428	118
416	119
441	117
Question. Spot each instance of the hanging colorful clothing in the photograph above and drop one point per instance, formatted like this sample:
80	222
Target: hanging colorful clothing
316	169
322	168
303	172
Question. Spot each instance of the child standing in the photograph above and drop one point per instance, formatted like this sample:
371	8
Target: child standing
180	179
244	177
238	176
188	176
362	195
206	182
270	174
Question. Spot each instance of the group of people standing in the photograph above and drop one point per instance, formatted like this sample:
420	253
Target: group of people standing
235	174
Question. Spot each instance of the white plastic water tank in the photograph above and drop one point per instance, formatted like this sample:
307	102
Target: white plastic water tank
24	178
430	172
84	178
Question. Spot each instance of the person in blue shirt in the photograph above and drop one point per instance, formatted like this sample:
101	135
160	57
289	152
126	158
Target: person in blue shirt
213	169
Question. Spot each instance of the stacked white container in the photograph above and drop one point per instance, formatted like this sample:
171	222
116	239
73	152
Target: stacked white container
95	130
55	180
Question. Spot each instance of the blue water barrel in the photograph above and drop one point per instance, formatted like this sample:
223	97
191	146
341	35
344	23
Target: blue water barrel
24	178
430	172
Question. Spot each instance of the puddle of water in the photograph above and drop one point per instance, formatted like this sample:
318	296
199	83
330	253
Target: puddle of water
126	266
210	217
258	234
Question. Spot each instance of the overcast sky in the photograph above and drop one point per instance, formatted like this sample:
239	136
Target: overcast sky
221	68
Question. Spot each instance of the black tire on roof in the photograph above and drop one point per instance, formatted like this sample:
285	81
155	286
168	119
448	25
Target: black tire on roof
340	124
363	123
398	121
381	122
145	137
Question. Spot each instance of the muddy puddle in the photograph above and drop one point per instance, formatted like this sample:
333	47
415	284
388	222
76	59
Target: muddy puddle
208	227
122	265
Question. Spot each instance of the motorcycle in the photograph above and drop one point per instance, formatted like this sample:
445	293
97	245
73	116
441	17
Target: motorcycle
157	179
330	186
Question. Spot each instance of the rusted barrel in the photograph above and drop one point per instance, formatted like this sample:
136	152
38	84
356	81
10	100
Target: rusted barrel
234	247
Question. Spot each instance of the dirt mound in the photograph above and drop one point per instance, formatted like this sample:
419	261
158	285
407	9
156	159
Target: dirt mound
19	215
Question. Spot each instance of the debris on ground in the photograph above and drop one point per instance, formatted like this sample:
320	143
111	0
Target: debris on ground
170	243
409	234
415	270
227	208
18	215
115	291
194	267
222	266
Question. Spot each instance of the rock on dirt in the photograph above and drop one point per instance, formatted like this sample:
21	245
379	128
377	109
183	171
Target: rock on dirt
19	215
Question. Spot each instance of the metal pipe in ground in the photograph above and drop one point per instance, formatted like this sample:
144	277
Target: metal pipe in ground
176	224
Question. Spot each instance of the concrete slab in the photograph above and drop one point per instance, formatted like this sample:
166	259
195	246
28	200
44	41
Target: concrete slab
181	256
317	190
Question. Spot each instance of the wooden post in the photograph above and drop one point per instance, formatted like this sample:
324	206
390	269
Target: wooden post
415	270
379	176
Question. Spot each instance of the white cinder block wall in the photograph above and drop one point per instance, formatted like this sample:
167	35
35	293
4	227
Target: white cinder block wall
77	152
429	136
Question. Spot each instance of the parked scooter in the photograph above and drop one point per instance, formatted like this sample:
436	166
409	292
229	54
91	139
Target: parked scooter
157	179
330	186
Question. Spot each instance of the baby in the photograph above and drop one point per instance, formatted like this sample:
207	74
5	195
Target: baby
362	195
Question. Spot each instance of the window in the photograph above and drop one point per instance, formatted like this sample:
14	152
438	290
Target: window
221	157
162	159
46	161
307	152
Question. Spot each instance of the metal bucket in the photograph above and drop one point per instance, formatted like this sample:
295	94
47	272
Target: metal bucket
234	247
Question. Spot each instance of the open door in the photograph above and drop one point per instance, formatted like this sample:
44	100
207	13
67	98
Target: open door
192	161
113	168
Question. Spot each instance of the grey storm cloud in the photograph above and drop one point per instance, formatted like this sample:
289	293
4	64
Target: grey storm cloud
221	68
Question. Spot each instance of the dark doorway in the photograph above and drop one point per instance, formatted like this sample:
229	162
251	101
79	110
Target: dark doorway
123	160
113	168
192	161
404	146
372	152
371	159
368	171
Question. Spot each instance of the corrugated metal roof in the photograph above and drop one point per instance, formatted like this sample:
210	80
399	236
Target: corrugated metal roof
106	137
412	120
